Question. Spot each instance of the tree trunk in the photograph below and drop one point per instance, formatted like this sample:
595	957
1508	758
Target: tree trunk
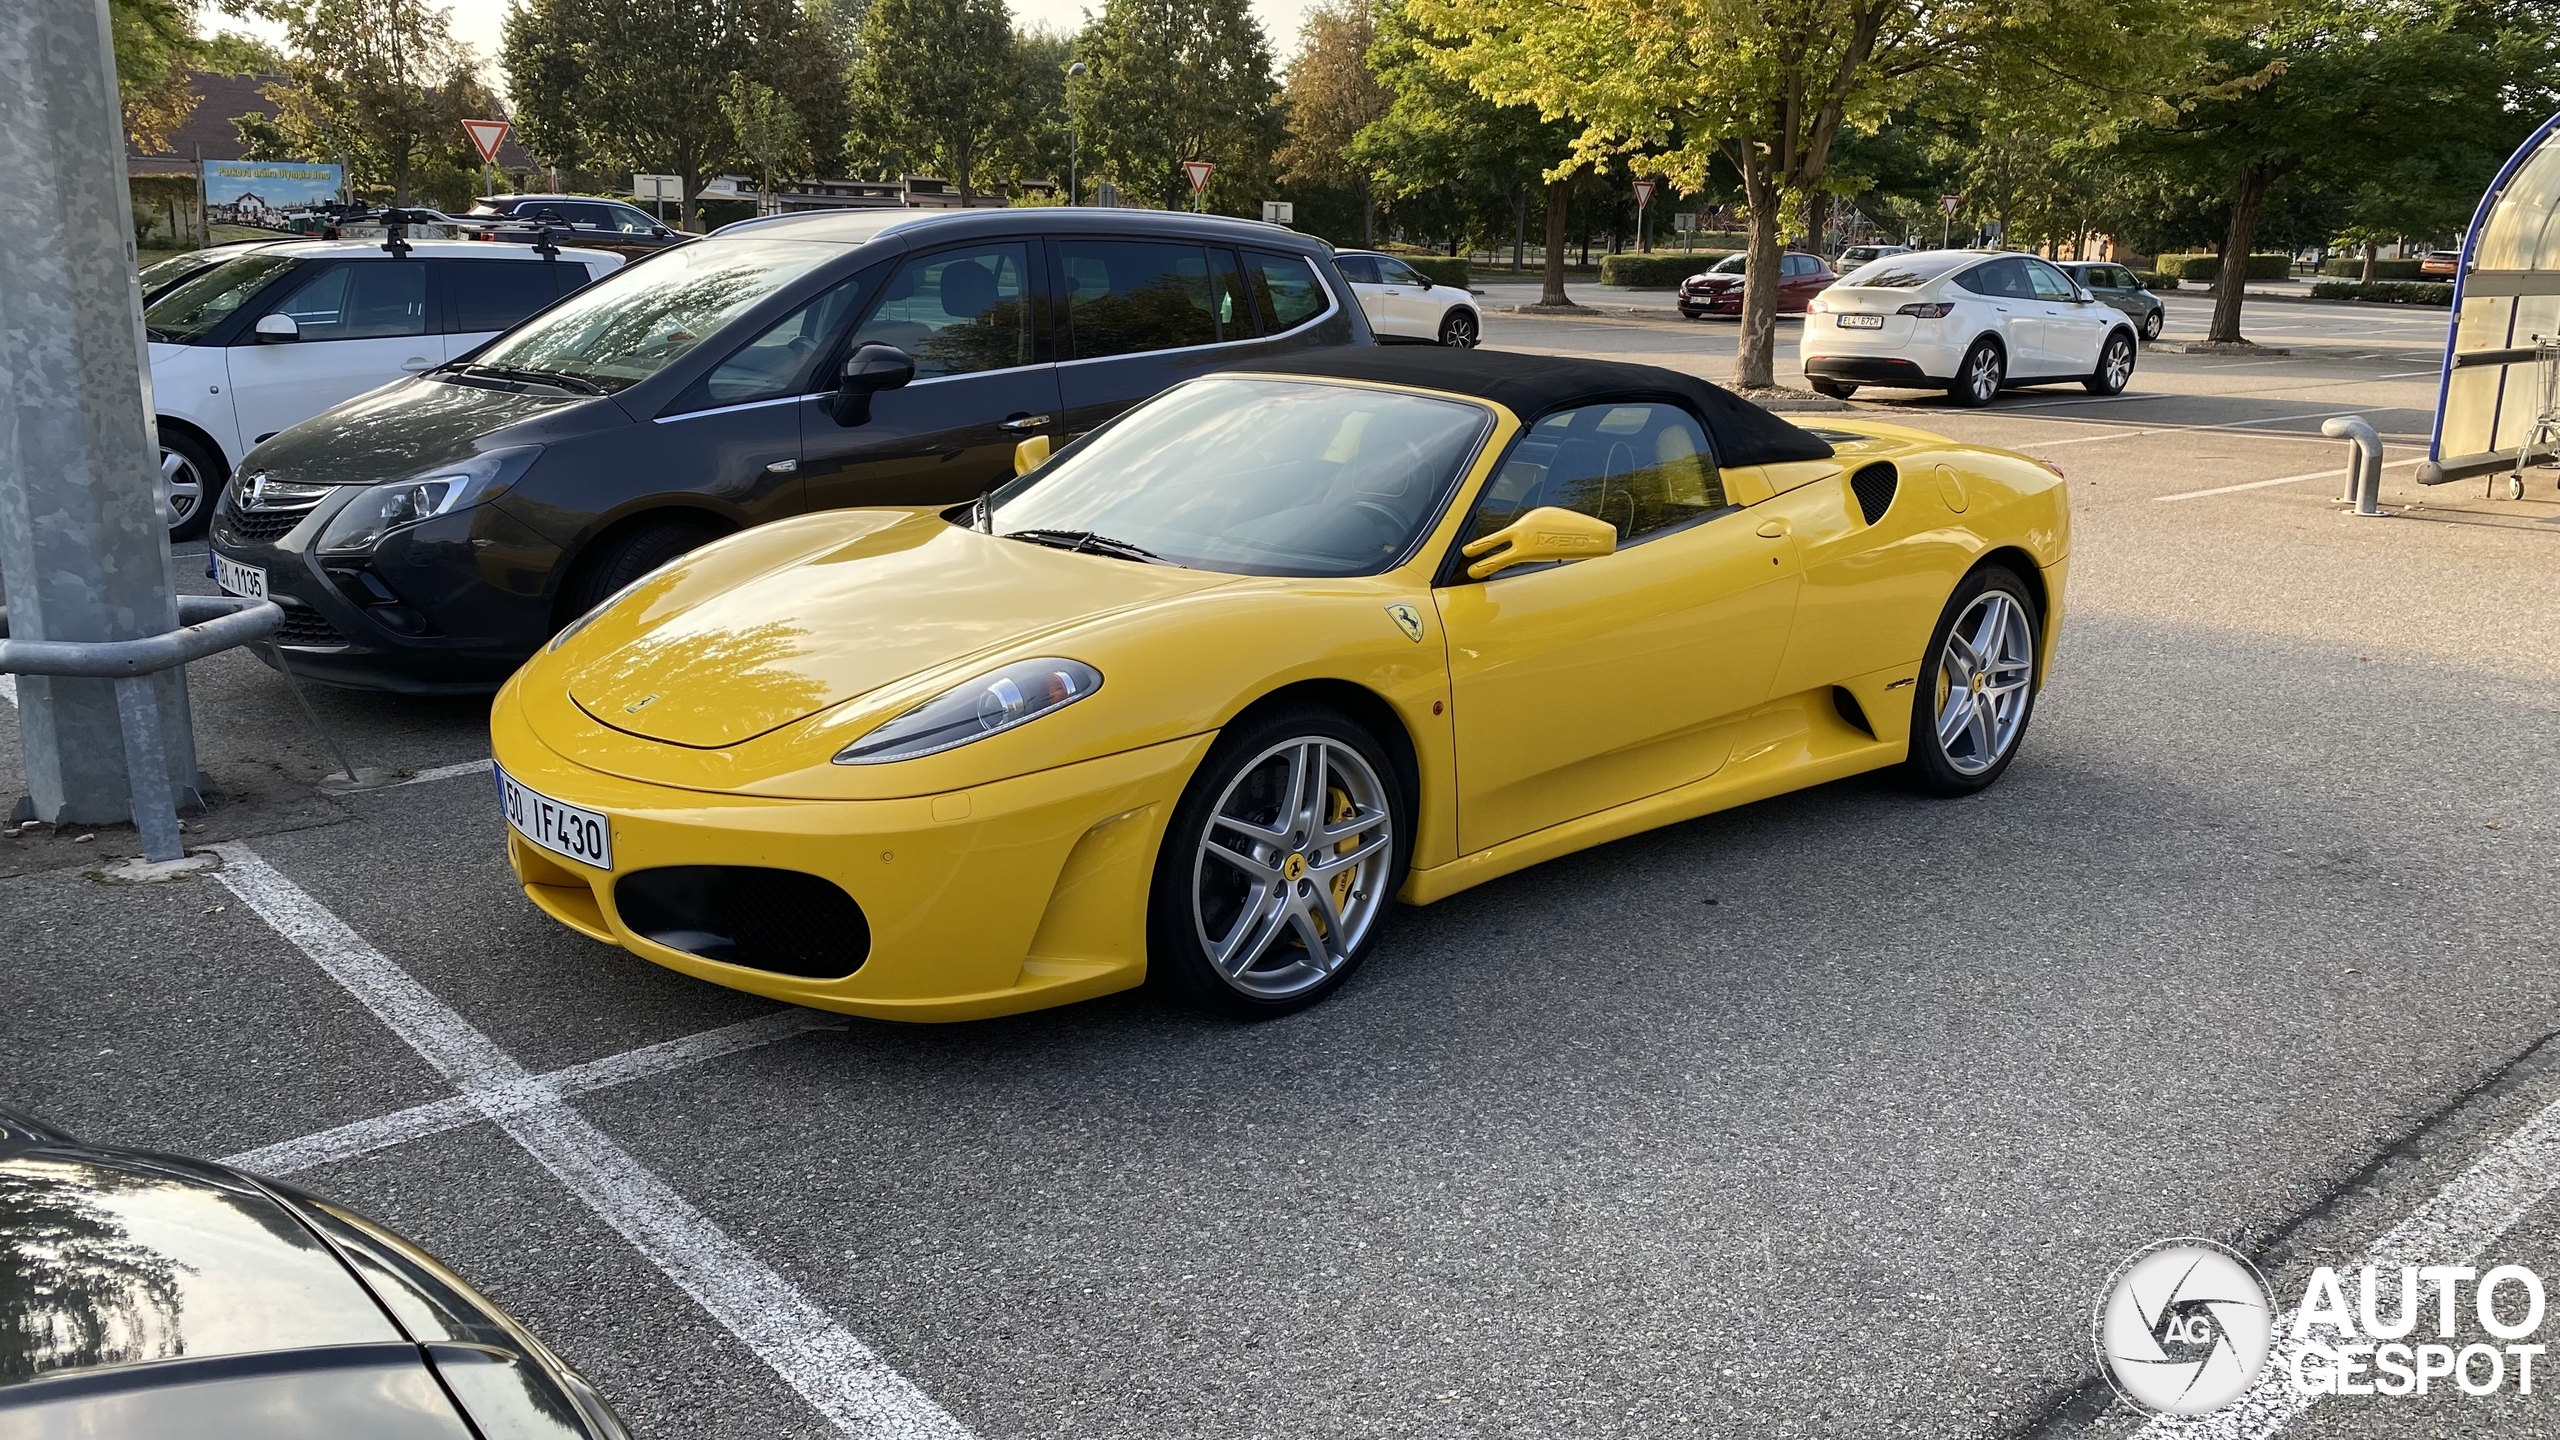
1559	195
2370	251
1755	359
1519	226
2232	277
1368	214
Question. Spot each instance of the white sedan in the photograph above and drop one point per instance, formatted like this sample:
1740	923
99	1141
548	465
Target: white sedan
1407	307
278	333
1969	322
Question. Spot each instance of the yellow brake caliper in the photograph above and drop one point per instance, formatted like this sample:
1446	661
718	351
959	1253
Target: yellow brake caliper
1343	810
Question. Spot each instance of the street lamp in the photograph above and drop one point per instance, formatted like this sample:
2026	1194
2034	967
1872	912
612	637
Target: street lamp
1075	72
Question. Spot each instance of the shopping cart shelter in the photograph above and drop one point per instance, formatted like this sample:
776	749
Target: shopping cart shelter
2500	407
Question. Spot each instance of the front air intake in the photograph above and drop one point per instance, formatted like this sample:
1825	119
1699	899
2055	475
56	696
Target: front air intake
777	920
1874	487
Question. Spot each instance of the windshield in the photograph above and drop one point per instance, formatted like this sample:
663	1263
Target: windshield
1256	477
1729	265
196	306
1905	272
641	319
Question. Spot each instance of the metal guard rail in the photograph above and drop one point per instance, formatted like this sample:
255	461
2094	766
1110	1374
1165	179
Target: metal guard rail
206	624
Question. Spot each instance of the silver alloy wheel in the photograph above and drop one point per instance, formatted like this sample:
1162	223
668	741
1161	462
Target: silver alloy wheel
1458	332
1986	677
181	488
2151	324
1982	377
1291	873
2118	362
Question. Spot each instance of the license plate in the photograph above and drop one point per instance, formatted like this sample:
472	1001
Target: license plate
1861	322
238	579
582	835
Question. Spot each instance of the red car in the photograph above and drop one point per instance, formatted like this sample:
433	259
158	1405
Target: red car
1718	290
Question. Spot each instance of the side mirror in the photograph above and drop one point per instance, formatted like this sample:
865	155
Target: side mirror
1031	454
276	329
872	369
1547	533
1424	279
661	231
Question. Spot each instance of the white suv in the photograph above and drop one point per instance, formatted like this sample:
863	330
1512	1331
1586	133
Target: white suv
276	334
1405	306
1969	322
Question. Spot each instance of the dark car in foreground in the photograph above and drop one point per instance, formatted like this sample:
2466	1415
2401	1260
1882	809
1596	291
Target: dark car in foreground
148	1295
430	535
1717	290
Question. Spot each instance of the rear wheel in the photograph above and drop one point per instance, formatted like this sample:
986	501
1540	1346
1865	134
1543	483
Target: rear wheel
2152	322
1977	686
1979	378
2115	366
1836	389
1458	329
190	481
621	559
1278	866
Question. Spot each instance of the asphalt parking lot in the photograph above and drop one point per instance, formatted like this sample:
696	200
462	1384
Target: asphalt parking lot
1827	1116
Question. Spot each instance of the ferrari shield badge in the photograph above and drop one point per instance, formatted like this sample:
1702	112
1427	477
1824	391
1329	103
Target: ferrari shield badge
1408	620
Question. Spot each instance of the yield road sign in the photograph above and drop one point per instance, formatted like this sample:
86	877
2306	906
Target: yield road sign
1644	193
487	136
1948	203
1198	172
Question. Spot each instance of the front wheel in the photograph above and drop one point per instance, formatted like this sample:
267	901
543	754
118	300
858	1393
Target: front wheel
1977	687
1836	389
1458	330
2115	366
190	481
1978	380
1278	866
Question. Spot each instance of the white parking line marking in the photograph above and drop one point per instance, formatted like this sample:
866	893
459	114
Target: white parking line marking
446	772
9	689
836	1373
2279	480
364	1137
2460	1221
2405	374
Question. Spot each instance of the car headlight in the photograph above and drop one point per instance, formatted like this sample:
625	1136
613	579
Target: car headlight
365	521
973	710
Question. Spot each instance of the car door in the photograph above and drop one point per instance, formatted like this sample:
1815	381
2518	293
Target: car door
364	323
968	317
1137	315
1369	288
1582	686
738	431
2011	299
483	299
1795	273
2072	328
1409	300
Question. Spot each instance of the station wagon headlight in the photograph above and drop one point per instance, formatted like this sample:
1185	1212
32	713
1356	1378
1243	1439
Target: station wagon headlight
365	521
973	710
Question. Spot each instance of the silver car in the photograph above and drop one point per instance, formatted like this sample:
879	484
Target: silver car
2117	286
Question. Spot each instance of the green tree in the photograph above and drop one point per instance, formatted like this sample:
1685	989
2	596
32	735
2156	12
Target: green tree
377	84
933	88
1330	94
1177	80
155	44
1767	86
768	130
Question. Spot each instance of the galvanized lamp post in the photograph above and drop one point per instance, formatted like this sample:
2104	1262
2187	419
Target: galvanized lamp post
1075	72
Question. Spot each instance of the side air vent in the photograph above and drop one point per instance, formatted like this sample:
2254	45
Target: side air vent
777	920
1874	486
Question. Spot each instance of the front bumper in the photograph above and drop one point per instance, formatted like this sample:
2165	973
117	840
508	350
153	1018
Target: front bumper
1711	302
1010	896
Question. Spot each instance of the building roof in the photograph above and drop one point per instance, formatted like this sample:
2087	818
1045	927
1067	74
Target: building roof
1533	385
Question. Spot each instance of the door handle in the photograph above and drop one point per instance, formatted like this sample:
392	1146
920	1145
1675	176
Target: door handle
416	363
1023	422
1776	527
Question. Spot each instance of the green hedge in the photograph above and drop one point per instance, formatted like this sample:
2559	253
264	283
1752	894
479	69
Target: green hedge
2393	292
2153	280
1662	270
2203	269
2351	267
1440	269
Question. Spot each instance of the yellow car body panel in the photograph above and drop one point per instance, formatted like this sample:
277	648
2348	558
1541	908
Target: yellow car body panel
1544	710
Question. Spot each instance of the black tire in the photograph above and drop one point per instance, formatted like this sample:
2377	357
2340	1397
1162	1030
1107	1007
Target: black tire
1934	767
1458	329
1836	389
190	470
618	560
1979	378
2152	323
2115	365
1179	901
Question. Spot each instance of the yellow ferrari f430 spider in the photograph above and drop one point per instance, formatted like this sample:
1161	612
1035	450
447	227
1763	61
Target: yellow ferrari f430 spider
1203	695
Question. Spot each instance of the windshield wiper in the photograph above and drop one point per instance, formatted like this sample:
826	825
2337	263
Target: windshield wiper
1086	542
559	379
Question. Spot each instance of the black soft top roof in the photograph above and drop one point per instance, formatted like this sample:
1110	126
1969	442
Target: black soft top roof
1532	385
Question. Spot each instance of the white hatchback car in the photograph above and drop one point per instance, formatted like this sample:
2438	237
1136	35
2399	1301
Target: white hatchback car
278	333
1969	322
1405	306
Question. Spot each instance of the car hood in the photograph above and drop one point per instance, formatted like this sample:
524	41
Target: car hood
405	428
779	623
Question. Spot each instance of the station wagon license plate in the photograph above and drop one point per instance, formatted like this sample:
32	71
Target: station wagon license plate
238	579
1861	322
585	836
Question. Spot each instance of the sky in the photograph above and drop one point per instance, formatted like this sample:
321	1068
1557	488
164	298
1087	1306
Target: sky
477	23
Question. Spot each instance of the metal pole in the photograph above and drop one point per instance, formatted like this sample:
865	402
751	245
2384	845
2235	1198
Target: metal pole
2364	467
1075	131
84	538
